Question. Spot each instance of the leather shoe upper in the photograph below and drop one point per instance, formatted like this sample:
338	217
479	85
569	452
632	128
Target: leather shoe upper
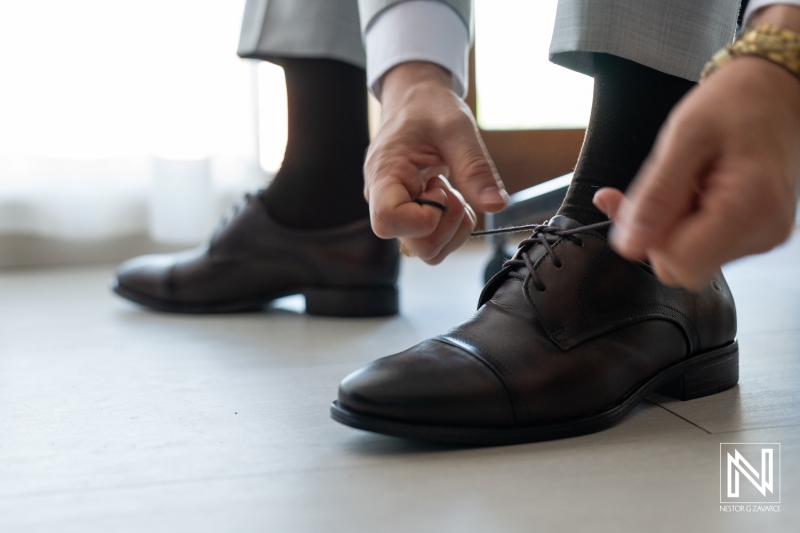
251	257
564	331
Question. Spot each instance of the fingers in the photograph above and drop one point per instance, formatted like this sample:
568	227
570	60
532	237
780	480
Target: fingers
453	229
394	213
463	233
689	258
685	256
609	200
664	192
427	130
714	234
667	265
472	171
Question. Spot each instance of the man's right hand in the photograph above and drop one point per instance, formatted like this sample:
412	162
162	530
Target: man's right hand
723	178
428	147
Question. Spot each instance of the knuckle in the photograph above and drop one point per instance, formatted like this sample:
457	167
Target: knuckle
476	169
478	163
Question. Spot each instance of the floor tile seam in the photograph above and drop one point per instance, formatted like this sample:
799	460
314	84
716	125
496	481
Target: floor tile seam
707	432
731	431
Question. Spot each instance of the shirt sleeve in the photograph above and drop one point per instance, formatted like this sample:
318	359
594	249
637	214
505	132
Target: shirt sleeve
755	5
417	30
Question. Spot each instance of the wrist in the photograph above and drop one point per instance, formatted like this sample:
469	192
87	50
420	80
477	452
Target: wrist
399	82
777	45
782	16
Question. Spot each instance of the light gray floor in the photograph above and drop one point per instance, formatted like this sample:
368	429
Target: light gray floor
116	419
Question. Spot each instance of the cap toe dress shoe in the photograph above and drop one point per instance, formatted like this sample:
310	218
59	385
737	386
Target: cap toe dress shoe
567	339
251	260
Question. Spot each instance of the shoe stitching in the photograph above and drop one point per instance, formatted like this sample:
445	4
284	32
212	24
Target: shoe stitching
668	312
550	237
678	318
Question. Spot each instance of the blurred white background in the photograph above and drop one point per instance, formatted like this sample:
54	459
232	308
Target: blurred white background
120	118
117	117
518	87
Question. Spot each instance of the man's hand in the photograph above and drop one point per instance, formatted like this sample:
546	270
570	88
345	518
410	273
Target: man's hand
722	180
428	147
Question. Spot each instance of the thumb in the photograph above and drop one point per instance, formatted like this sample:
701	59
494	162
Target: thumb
663	193
472	171
609	200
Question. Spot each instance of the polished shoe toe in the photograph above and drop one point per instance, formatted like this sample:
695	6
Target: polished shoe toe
252	260
433	383
567	339
145	277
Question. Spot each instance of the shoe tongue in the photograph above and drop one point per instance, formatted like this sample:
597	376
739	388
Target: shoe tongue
563	222
558	221
509	292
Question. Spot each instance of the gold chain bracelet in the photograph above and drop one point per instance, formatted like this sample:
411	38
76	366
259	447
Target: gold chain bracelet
777	45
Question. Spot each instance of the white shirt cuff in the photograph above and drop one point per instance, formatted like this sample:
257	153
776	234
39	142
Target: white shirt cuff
755	5
418	30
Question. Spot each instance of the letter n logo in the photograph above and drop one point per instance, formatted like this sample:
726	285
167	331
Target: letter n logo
748	472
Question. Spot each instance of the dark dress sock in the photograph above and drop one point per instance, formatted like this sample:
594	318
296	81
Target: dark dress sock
629	105
320	183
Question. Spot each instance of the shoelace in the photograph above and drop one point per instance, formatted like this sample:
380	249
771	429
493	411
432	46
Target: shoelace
542	234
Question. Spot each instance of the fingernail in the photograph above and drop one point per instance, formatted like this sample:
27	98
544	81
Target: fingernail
493	196
405	250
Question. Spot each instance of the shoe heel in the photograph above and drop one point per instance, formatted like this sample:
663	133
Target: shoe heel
366	302
712	373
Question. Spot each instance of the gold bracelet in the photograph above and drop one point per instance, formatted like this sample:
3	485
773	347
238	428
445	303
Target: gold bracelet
777	45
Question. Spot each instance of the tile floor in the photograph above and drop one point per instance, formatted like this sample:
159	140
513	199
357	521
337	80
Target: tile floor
116	419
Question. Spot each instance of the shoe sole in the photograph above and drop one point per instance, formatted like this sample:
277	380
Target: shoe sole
355	302
701	375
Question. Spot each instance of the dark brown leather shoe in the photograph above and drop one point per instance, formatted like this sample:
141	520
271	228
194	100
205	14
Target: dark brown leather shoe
252	260
567	339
